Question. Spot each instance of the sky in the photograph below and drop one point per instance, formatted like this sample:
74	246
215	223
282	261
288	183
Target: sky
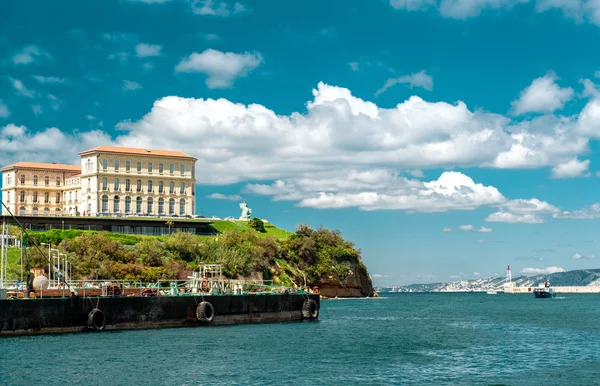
446	138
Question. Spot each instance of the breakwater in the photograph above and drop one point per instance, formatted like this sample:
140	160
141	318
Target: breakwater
78	313
557	289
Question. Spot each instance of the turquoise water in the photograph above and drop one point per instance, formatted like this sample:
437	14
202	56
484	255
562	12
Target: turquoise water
412	339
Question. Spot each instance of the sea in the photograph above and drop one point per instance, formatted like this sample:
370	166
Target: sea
396	339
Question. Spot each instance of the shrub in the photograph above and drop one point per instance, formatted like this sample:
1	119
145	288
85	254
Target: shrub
257	224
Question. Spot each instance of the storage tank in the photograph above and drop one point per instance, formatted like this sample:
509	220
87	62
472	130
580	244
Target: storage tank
41	283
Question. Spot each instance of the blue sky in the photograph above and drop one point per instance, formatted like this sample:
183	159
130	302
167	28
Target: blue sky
446	138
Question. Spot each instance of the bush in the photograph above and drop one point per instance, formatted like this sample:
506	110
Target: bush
257	224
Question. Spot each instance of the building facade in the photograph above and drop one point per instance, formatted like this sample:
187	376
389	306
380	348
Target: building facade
111	180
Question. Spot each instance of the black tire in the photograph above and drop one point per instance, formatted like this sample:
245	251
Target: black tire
96	320
310	309
205	312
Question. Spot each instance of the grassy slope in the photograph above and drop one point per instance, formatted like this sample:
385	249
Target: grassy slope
222	226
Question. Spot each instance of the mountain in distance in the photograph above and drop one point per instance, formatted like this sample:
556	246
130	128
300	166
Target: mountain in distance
580	277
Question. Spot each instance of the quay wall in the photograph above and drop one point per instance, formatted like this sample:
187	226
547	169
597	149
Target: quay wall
70	314
558	290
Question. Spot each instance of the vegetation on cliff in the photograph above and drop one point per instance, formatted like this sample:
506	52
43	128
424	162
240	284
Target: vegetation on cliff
301	258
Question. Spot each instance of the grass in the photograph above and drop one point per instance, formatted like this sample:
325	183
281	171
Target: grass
271	230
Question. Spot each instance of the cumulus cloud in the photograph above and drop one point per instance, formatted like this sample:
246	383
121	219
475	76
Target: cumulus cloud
221	68
29	54
4	111
378	276
220	196
578	256
418	79
591	212
129	85
471	228
447	229
542	271
144	50
513	218
571	169
219	8
543	95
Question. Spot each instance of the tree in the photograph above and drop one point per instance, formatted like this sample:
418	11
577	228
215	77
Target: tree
257	224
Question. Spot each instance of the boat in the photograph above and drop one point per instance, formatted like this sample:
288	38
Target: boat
492	292
544	291
51	302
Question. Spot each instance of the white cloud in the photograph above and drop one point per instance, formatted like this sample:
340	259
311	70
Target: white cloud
37	109
590	89
418	79
219	8
524	206
447	229
48	79
428	276
471	228
55	102
476	273
21	89
591	212
354	66
578	256
90	117
4	111
29	54
220	196
129	85
379	276
211	37
221	68
571	169
542	271
117	37
144	50
512	218
543	95
412	5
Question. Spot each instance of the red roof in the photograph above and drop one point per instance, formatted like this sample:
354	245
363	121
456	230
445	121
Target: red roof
133	150
39	165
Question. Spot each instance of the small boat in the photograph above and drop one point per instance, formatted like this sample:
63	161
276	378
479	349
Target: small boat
544	291
492	292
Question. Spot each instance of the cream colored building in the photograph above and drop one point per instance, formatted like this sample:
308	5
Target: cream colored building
111	180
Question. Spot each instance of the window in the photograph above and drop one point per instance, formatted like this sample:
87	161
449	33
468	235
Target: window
172	168
35	196
69	197
149	167
58	197
161	168
21	211
22	178
47	181
161	206
128	185
181	187
105	164
105	183
46	198
138	205
139	166
35	180
22	196
116	204
34	212
88	165
182	169
181	207
149	186
150	204
57	181
46	212
171	187
172	206
127	166
116	165
58	212
116	184
89	184
127	204
138	186
105	203
8	197
161	187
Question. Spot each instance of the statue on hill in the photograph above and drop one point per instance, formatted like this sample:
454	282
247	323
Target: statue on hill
246	212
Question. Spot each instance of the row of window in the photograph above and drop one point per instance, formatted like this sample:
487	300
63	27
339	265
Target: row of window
138	186
35	197
35	212
35	180
139	204
161	167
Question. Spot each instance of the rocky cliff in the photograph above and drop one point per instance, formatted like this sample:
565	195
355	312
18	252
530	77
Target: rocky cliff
357	283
